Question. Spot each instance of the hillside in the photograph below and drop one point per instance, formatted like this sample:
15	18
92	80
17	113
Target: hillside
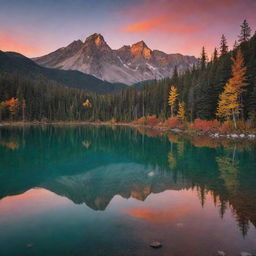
12	62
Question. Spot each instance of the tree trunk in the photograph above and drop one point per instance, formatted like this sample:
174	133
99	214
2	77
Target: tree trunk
234	119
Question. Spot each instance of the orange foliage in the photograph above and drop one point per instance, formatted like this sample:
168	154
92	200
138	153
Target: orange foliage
226	127
12	104
172	122
205	126
87	104
141	121
152	120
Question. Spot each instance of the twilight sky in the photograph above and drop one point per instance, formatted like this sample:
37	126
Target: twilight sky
37	27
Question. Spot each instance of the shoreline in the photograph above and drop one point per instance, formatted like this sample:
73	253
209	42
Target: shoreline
234	135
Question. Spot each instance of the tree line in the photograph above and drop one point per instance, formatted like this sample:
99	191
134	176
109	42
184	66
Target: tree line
204	91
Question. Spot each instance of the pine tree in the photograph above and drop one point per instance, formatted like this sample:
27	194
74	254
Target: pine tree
215	55
181	111
172	98
235	45
223	45
203	58
245	33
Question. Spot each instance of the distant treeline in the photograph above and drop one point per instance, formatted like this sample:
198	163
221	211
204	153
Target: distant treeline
199	88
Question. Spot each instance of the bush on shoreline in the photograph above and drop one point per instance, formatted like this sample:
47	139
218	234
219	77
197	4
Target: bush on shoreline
199	125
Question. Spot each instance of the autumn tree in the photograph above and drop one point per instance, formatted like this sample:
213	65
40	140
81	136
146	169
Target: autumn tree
172	98
181	111
245	32
230	101
228	105
87	103
223	45
12	105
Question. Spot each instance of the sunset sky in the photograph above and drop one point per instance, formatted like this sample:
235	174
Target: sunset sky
37	27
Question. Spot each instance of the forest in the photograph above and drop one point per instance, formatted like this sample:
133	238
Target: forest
220	87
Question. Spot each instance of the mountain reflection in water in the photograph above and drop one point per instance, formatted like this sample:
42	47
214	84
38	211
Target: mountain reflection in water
99	165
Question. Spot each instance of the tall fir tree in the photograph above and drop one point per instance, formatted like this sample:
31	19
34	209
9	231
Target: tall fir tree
223	45
245	32
203	58
215	55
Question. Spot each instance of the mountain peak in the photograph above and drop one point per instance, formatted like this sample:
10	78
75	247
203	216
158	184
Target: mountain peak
96	39
129	64
140	44
140	49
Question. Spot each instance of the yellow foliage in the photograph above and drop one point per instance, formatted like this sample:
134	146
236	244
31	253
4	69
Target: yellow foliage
87	104
172	98
230	99
171	160
181	111
228	104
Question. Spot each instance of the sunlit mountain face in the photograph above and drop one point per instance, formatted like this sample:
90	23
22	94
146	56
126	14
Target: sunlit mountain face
128	65
84	183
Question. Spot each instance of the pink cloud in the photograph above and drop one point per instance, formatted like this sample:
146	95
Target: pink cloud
16	43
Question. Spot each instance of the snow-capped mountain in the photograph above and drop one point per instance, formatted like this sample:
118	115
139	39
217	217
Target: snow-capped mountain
129	64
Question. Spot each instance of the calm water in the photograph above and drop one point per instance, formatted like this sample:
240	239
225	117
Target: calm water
111	191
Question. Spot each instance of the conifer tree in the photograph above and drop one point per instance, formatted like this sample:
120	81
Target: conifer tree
215	55
172	98
235	45
203	58
223	45
245	32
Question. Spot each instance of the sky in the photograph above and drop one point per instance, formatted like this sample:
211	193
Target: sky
37	27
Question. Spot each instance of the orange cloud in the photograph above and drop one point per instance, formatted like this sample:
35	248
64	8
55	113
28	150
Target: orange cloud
163	25
11	43
145	26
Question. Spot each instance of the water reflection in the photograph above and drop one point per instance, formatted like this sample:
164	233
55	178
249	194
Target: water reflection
93	166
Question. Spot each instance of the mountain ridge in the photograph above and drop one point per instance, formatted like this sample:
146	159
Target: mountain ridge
13	62
129	64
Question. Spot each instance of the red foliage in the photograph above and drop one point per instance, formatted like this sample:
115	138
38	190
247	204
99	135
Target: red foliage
141	121
205	126
152	120
225	128
173	122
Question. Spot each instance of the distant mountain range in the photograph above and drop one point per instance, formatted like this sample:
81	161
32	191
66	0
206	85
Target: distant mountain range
128	65
11	62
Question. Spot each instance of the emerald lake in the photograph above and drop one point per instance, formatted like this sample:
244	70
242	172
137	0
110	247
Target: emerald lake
96	191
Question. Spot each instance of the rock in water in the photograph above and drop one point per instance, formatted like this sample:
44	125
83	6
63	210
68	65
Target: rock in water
245	254
156	244
221	253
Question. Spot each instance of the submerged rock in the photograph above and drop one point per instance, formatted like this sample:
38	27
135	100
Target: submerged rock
245	254
221	253
155	244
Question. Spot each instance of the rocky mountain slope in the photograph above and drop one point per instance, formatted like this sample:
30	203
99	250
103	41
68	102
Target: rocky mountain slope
129	64
11	62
